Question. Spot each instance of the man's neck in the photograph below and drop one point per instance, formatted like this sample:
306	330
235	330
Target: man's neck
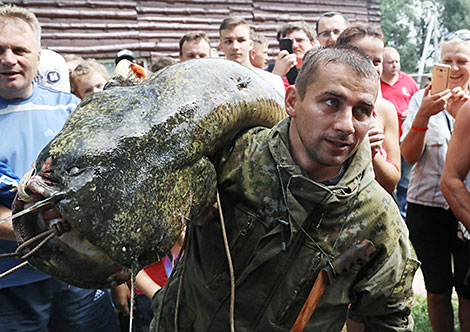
390	79
314	170
17	94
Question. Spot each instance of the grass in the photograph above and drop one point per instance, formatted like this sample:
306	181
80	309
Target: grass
420	314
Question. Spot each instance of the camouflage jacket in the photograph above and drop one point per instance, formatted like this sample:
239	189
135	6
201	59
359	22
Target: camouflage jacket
282	229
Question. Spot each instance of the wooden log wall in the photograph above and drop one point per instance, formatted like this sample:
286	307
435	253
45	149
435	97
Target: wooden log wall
100	28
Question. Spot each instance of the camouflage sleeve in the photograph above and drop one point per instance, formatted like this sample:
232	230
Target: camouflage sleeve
384	300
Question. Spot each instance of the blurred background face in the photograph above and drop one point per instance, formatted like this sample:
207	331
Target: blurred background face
236	44
457	56
300	42
19	59
374	48
329	28
88	84
391	62
194	49
259	55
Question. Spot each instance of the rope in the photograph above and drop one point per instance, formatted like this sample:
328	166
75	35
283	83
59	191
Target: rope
230	266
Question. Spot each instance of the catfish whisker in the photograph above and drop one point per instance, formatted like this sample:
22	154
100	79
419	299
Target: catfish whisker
13	269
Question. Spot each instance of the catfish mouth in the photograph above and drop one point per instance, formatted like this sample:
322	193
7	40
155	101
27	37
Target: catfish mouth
67	256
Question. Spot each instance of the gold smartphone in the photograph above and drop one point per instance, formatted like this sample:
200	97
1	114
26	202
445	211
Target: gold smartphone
440	78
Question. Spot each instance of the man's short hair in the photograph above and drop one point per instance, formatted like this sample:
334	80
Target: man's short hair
359	31
162	62
330	14
258	38
318	58
193	36
288	28
231	22
9	12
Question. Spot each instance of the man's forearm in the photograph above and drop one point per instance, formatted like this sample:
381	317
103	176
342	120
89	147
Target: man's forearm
458	198
6	228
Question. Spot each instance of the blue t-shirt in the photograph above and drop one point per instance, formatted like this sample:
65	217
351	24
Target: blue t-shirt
26	126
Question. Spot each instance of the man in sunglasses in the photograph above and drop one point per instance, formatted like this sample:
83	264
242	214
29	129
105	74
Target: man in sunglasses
329	26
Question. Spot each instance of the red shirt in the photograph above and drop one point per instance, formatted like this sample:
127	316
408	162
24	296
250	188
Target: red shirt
400	93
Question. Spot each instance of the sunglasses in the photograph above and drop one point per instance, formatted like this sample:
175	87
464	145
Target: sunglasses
463	35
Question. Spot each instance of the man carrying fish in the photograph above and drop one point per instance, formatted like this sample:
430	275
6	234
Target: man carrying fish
30	115
293	199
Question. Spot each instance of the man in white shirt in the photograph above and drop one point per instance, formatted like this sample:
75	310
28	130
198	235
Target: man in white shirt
236	44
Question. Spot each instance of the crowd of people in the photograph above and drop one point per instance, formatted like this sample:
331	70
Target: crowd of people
362	154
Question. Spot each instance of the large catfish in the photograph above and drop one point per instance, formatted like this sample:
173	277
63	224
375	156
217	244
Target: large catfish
133	164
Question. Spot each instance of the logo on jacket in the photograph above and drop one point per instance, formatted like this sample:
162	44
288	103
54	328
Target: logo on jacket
52	77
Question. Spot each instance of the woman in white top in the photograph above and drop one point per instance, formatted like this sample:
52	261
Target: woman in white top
432	225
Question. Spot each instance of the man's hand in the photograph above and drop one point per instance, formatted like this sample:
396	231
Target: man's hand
284	62
431	105
6	228
456	101
121	296
376	137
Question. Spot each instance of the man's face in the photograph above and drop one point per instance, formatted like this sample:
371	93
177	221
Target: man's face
457	56
19	59
300	42
88	84
236	44
331	121
259	55
391	62
194	49
329	28
374	48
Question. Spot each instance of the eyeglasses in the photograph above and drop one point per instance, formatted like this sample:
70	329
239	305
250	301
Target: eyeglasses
326	34
462	34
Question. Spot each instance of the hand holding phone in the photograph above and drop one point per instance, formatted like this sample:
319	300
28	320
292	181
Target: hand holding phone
440	78
286	44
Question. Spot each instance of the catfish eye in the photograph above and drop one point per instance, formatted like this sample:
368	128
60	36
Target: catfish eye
75	170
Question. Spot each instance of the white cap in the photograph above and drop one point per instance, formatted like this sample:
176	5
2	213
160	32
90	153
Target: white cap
53	71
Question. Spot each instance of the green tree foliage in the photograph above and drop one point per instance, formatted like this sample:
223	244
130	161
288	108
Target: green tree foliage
405	24
455	15
398	22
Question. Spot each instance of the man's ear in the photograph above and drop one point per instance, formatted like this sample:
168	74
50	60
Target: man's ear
291	99
251	54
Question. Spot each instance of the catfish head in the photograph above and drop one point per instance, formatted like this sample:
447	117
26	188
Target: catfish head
132	165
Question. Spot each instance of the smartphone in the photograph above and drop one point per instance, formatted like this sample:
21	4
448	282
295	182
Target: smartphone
285	44
440	78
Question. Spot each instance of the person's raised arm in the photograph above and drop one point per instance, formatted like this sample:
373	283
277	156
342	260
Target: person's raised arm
456	168
413	144
146	284
387	168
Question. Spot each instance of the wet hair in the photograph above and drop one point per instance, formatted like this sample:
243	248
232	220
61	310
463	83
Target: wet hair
87	67
287	28
359	31
196	36
330	14
347	55
9	12
231	22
